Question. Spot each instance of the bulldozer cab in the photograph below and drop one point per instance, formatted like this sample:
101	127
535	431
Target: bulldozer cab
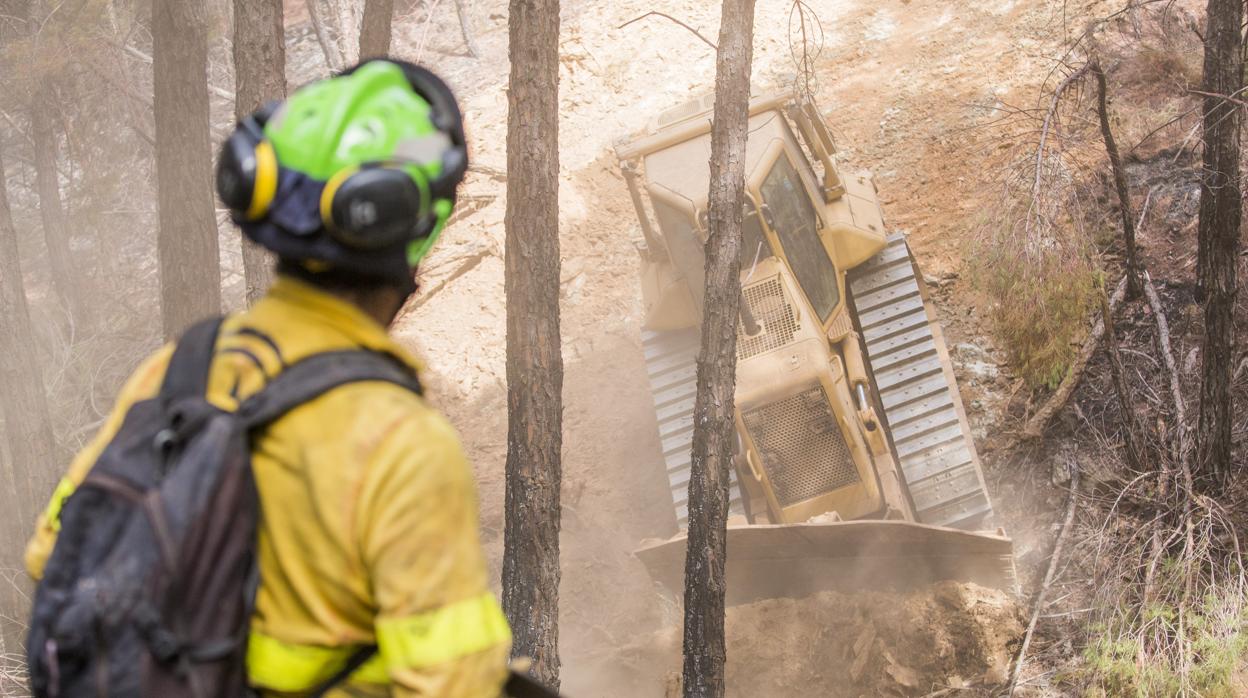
825	435
798	208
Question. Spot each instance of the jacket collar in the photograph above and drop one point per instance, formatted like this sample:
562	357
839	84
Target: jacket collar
299	300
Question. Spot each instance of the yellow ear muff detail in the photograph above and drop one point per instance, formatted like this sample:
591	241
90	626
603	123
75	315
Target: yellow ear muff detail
266	181
327	194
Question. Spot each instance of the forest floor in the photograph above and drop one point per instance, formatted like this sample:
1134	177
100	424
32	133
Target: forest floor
911	89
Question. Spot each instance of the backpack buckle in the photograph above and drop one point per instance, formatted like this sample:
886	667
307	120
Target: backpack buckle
165	440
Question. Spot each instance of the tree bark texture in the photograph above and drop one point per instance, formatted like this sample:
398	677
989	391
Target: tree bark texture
33	454
1134	285
1218	244
259	76
375	29
714	435
534	362
190	267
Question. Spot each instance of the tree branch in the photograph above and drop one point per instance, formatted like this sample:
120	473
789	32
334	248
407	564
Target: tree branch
1071	505
705	40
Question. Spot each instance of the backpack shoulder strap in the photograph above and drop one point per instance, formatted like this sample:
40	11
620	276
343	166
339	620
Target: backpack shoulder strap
187	374
318	374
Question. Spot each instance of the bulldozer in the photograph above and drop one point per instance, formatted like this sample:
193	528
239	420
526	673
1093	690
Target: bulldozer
854	464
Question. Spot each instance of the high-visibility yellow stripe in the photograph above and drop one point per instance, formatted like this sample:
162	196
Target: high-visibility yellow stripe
444	634
291	668
413	642
52	515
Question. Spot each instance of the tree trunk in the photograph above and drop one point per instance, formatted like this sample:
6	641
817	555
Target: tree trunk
375	29
714	435
51	209
259	76
1134	286
1218	246
27	426
65	283
534	362
190	268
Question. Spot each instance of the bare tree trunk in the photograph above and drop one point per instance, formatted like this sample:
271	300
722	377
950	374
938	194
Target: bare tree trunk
375	28
27	425
48	187
534	362
1134	286
190	268
259	76
51	208
714	407
1218	247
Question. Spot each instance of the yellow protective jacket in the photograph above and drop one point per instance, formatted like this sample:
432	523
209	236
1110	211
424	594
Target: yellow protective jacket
368	528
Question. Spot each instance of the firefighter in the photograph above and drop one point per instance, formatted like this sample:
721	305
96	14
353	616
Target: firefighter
368	532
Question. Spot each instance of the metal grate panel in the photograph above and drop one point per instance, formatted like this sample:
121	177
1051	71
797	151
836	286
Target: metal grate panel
802	448
774	314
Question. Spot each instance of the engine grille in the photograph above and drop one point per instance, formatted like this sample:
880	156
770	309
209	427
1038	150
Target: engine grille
773	312
801	446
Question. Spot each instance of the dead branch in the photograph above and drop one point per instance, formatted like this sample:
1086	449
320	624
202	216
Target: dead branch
1048	121
491	172
461	9
705	40
1130	425
1071	504
1167	355
463	263
333	56
424	33
1035	426
1120	181
218	91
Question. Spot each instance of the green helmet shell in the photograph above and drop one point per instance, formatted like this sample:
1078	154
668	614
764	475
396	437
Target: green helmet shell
372	115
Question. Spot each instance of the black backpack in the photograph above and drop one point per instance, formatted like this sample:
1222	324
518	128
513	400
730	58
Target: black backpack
149	589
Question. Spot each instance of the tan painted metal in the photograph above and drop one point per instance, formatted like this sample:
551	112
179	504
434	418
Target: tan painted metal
817	466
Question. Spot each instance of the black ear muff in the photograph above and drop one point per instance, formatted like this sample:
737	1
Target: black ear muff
247	169
374	207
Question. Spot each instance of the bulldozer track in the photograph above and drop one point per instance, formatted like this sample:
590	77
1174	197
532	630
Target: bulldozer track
916	386
671	365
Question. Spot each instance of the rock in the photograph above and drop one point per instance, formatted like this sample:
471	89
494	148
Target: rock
1060	474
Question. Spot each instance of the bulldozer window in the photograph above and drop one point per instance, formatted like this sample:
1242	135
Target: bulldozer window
794	221
754	245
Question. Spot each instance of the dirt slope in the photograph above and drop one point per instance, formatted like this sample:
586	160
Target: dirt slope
902	82
870	644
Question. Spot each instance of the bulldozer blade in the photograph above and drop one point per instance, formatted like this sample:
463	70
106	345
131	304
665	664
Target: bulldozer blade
794	560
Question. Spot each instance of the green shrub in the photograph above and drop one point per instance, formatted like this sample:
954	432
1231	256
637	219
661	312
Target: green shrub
1040	295
1210	646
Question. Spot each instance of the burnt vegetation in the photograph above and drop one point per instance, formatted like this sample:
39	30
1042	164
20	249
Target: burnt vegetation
1149	598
